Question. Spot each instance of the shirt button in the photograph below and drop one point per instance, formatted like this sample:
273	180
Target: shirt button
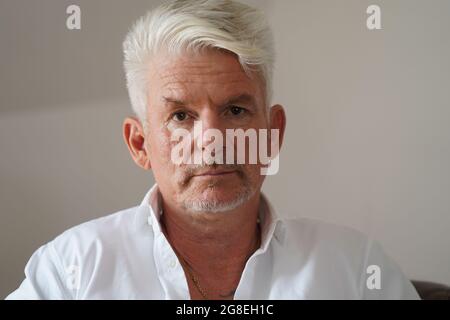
173	263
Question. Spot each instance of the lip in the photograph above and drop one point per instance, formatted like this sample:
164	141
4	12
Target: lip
215	173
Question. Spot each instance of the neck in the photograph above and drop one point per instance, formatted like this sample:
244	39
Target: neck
214	243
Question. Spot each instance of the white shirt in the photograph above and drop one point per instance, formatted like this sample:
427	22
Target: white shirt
126	256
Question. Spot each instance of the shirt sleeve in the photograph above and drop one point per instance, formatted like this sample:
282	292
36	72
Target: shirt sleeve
382	278
43	278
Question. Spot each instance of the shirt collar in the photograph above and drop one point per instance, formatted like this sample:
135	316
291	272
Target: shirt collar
271	224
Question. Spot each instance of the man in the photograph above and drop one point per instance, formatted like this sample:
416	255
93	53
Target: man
205	231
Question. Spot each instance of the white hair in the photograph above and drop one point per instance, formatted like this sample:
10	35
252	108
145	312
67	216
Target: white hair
193	25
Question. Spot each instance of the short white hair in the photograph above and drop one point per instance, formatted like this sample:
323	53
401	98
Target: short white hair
195	24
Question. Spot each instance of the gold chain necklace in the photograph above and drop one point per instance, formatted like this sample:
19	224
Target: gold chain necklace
188	267
193	277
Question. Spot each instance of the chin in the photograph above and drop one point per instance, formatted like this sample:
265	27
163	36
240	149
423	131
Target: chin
218	193
218	199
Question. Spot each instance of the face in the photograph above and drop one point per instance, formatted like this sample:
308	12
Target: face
210	88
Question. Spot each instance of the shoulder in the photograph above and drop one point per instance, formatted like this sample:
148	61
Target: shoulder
325	248
98	235
77	256
114	222
314	233
342	258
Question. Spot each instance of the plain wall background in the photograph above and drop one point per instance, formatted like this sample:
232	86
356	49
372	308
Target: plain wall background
368	136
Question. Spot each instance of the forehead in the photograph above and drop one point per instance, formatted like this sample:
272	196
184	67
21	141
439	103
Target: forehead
211	73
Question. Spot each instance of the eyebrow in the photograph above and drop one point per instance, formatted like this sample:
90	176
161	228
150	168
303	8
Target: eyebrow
240	98
169	100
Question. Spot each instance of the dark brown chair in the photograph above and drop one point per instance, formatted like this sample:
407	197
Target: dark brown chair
431	290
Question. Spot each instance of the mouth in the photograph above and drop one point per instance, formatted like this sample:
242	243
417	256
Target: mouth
215	173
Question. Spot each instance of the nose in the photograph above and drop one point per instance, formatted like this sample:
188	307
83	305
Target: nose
209	128
210	119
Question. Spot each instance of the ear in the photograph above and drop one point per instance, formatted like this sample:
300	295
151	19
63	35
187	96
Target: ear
278	121
133	134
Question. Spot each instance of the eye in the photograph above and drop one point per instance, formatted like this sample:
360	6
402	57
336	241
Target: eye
235	110
179	116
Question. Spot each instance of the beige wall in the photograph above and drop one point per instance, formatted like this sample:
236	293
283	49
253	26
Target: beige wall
368	140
